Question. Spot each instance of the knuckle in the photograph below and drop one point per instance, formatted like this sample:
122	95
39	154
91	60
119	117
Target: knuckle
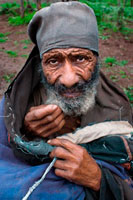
32	126
61	125
49	118
57	172
35	115
71	173
56	123
32	108
56	150
82	151
39	131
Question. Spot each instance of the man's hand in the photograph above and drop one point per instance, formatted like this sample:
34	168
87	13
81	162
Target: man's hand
75	164
44	120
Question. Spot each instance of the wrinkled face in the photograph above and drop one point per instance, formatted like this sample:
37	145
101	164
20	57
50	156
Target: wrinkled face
69	73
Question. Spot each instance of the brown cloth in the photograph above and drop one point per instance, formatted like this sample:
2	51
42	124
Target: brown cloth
111	102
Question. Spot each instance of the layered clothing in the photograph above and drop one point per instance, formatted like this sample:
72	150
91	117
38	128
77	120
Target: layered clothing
20	167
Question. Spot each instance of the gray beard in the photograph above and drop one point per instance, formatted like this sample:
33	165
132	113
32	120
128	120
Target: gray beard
73	106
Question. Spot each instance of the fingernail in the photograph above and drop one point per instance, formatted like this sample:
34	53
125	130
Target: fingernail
48	141
54	106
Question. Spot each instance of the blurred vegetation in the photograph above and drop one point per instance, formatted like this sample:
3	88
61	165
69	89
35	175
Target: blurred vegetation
111	61
129	92
112	15
8	77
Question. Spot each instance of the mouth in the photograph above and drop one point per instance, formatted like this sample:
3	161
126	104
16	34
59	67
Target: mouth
71	94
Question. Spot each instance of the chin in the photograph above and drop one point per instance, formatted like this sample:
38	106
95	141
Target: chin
75	106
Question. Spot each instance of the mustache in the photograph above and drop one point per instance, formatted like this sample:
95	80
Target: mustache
78	87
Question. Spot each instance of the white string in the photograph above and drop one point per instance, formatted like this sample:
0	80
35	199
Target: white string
37	183
6	115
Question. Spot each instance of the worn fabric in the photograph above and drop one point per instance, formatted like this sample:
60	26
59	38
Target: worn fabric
17	176
111	104
111	149
64	25
95	131
118	170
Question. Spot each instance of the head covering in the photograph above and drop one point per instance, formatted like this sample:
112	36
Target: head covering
64	25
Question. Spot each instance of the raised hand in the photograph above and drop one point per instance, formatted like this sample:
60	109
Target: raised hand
44	120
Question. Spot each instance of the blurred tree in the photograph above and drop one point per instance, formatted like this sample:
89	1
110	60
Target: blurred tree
22	8
38	2
120	15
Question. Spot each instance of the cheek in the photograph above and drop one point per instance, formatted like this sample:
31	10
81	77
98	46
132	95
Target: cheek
51	75
88	70
86	73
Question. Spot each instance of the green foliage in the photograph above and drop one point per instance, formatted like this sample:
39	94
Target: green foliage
4	34
26	41
3	37
2	40
13	11
18	20
16	43
110	16
126	31
129	92
111	61
123	74
114	78
24	56
25	47
12	53
104	37
9	8
122	63
8	77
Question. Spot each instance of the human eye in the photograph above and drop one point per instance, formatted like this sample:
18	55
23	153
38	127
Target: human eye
80	58
53	61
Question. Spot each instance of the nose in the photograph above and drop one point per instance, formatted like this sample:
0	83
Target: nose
68	77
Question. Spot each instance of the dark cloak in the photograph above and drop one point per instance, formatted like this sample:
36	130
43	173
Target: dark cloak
111	104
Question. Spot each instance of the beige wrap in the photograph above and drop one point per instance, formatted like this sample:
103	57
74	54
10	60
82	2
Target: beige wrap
93	132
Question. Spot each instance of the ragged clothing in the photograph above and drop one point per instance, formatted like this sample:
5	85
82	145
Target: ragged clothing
19	176
20	168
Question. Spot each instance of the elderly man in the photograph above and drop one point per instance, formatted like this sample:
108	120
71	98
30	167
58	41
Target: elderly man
56	108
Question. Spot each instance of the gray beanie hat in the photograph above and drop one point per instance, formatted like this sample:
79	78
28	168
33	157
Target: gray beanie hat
64	25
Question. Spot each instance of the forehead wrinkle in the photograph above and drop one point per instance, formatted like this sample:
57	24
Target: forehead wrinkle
51	54
66	52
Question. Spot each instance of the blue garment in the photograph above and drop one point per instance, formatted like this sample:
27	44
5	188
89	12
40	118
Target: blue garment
117	169
17	177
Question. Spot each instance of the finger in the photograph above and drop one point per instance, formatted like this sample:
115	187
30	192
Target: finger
61	153
39	113
52	131
62	173
38	123
70	146
61	164
55	124
50	118
37	107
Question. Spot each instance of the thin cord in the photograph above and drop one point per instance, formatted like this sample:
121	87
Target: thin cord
37	183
